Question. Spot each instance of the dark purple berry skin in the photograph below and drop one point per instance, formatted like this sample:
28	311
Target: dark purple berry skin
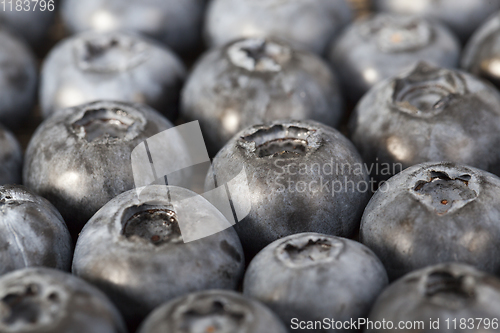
116	66
451	293
463	17
305	24
45	300
175	23
32	25
79	158
432	213
11	158
428	114
294	181
311	276
212	311
481	55
133	249
383	45
18	80
32	232
254	81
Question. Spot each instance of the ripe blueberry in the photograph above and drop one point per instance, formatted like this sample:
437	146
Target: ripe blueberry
301	176
111	66
32	232
253	81
434	213
79	158
212	311
463	17
312	276
383	45
428	114
45	300
306	24
450	296
133	249
173	22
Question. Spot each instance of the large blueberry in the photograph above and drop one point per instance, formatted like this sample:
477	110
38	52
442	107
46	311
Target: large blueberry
434	213
173	22
481	55
307	24
111	66
461	16
11	158
253	81
383	45
18	80
45	300
442	298
141	252
79	158
212	311
32	232
299	176
428	114
309	277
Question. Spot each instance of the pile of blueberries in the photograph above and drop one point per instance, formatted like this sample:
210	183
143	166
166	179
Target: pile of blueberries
358	155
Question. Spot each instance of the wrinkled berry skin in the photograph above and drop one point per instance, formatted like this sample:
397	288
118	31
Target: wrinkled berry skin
294	181
172	22
111	66
428	114
133	249
32	232
383	45
463	17
481	55
434	213
18	80
254	81
445	292
212	311
311	276
306	24
46	300
32	25
11	158
79	158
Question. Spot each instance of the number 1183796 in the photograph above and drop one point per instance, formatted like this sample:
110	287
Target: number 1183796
27	5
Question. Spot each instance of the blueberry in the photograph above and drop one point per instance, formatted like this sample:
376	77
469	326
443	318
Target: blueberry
33	232
428	114
481	55
301	176
134	249
18	80
32	22
441	298
463	17
175	23
306	24
383	45
434	213
111	66
45	300
253	81
212	311
11	158
312	276
79	158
